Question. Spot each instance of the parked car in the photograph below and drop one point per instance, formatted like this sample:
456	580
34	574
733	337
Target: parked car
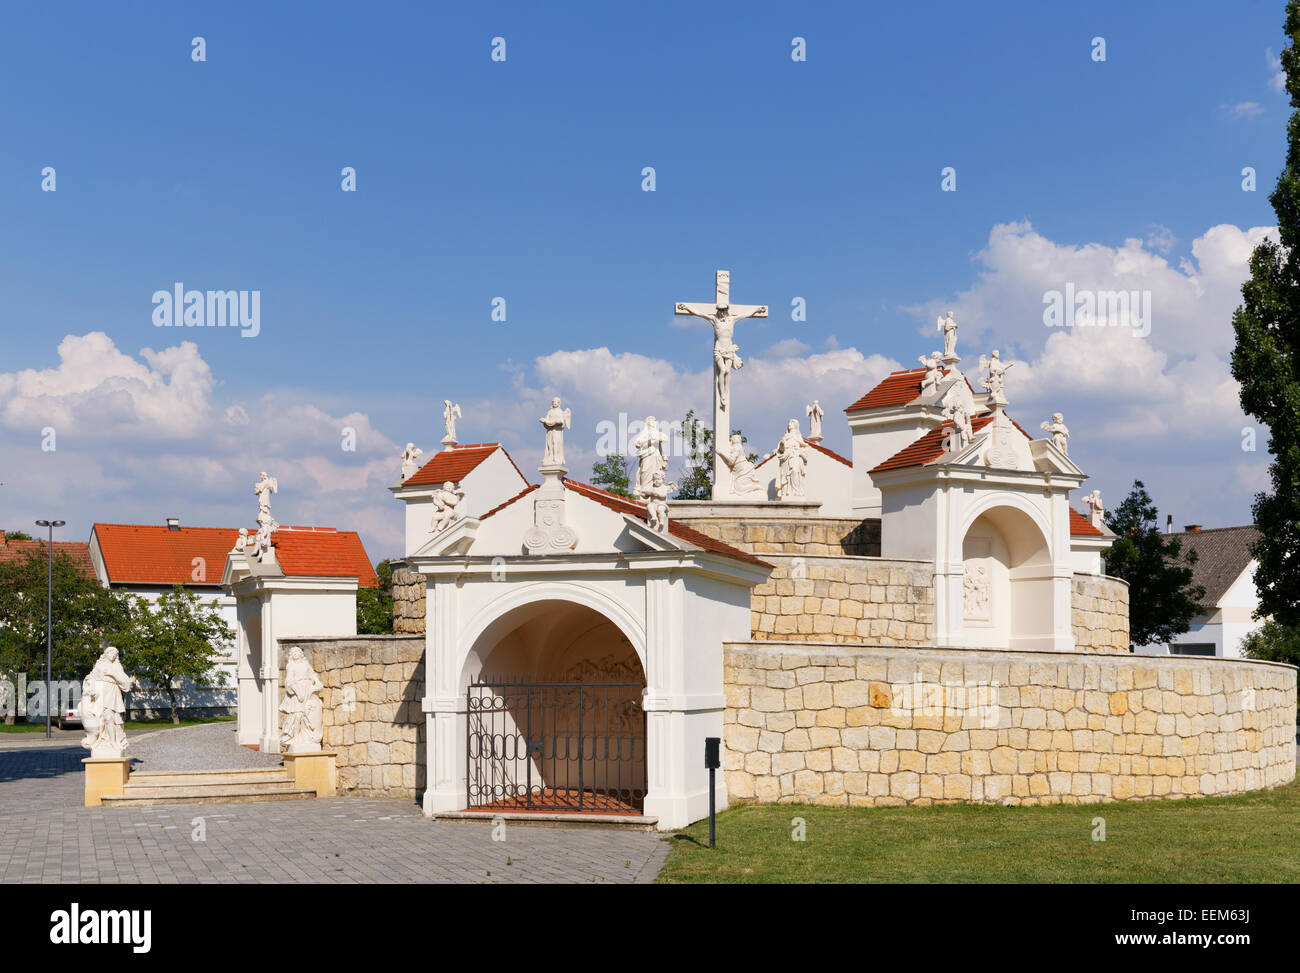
69	717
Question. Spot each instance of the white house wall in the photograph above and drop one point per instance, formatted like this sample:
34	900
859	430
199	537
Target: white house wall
491	483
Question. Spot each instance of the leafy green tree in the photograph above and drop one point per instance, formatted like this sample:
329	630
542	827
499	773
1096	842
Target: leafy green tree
17	535
86	616
696	480
375	605
1266	362
176	637
1273	642
613	473
1161	597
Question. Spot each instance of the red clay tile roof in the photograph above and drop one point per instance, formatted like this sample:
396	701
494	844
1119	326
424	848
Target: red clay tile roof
77	550
817	446
145	554
455	464
1079	524
323	552
897	388
637	509
929	447
502	506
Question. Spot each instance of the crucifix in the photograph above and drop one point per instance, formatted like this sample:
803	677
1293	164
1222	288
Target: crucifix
723	315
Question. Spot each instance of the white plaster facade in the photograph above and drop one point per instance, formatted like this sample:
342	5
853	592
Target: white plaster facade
271	606
1221	630
492	480
673	603
828	480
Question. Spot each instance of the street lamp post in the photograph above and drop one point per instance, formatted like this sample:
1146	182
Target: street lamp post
49	617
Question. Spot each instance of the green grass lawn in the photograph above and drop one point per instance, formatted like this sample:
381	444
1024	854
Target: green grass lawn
1244	839
21	727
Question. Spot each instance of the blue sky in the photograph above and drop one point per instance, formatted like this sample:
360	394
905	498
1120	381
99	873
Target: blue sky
478	179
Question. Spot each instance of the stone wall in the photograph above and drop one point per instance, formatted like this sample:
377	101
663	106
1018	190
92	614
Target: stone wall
843	599
408	602
823	535
1100	613
372	718
872	725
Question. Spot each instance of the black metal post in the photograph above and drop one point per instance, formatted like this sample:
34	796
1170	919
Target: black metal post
49	618
712	748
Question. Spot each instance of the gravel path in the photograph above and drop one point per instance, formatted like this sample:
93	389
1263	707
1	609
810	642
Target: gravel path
210	746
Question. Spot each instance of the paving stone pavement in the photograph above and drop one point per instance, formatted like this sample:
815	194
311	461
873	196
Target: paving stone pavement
46	836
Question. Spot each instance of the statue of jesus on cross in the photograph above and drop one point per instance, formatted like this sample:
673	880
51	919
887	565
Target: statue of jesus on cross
723	315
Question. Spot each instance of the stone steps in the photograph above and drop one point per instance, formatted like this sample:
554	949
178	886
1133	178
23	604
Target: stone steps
208	787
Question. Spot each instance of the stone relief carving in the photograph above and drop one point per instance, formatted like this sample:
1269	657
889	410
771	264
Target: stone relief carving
976	594
549	534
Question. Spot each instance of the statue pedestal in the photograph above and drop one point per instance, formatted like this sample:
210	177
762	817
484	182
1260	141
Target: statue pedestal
314	771
105	775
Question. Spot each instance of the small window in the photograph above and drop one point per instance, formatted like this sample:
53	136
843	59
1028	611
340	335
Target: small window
1191	648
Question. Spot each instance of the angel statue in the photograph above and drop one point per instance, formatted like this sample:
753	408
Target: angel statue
409	462
447	506
555	422
992	371
450	413
656	503
1060	434
930	381
815	414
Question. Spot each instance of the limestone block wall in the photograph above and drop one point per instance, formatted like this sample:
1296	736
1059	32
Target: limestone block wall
408	602
1100	613
875	725
844	599
822	535
372	717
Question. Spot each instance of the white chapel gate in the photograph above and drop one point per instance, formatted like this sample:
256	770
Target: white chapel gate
1007	584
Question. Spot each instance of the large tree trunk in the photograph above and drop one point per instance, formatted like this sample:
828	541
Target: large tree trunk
171	694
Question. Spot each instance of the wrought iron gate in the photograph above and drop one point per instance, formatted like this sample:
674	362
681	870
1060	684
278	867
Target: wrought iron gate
556	745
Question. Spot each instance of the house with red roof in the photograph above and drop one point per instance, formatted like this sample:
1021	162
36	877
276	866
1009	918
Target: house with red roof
146	560
14	550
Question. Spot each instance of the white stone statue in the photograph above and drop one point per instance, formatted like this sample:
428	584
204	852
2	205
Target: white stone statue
555	422
649	447
1096	511
792	456
815	415
992	371
301	727
1060	434
261	544
450	413
656	503
241	542
930	381
409	460
102	706
263	488
723	315
743	478
961	434
448	504
949	328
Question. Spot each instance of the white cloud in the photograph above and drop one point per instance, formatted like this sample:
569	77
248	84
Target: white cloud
1244	109
142	438
1277	80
